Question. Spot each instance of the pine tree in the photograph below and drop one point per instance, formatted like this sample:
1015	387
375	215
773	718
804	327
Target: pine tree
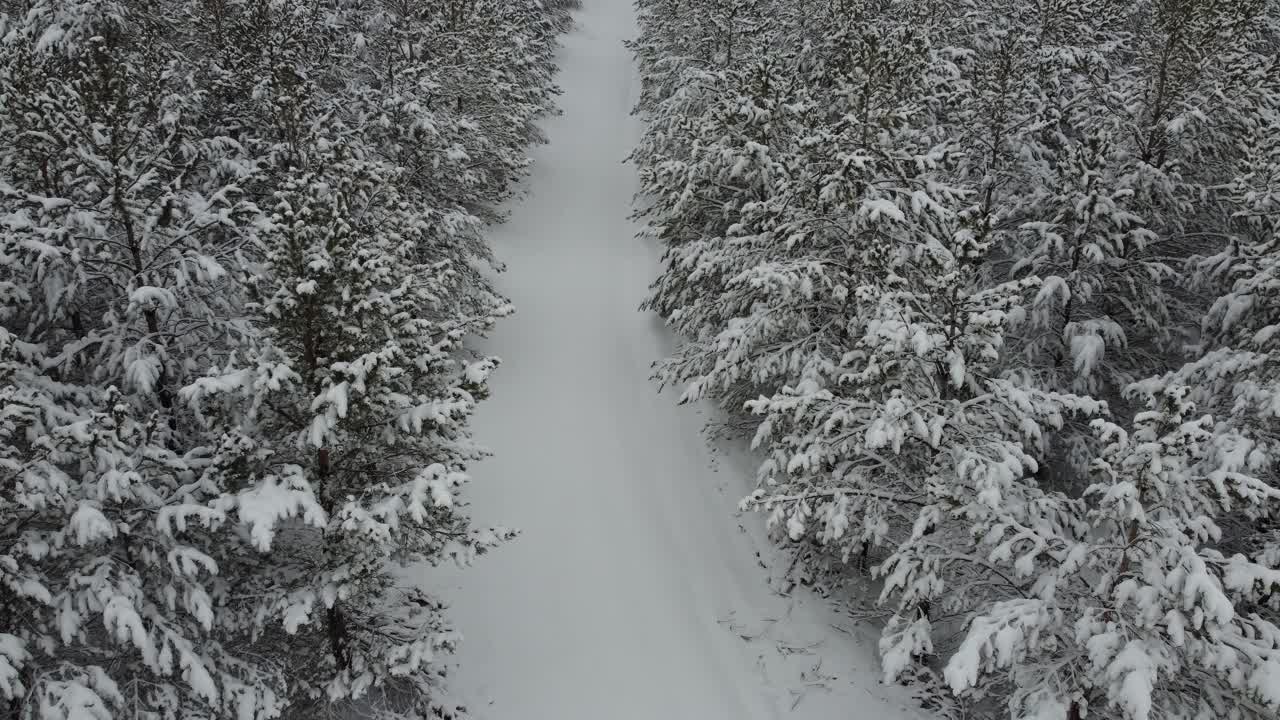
121	250
941	246
237	277
353	411
1129	610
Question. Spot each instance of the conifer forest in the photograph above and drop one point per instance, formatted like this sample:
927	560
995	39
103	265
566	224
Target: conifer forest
640	360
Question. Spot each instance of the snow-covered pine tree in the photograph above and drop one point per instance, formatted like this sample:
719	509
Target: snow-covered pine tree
913	437
452	93
1095	144
686	50
353	410
1235	371
714	216
1128	609
1056	95
761	250
1102	313
150	144
1128	184
125	209
1023	119
819	260
107	585
119	234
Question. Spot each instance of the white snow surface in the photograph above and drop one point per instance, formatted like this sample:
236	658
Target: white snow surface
636	591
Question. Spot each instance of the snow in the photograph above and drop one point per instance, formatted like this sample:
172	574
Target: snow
90	524
634	591
13	654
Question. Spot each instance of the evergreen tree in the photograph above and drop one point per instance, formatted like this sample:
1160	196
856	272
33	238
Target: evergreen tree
122	246
352	439
933	247
239	267
1129	610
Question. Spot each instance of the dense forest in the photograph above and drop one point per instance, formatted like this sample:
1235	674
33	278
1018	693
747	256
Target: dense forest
990	287
241	258
994	288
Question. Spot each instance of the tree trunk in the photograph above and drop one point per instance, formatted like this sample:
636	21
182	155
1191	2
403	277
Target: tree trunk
337	627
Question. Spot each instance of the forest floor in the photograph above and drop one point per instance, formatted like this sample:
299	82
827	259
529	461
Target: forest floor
636	591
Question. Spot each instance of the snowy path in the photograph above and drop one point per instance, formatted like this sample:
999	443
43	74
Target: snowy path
633	593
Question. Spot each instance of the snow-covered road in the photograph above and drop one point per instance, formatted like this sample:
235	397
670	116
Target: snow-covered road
633	592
